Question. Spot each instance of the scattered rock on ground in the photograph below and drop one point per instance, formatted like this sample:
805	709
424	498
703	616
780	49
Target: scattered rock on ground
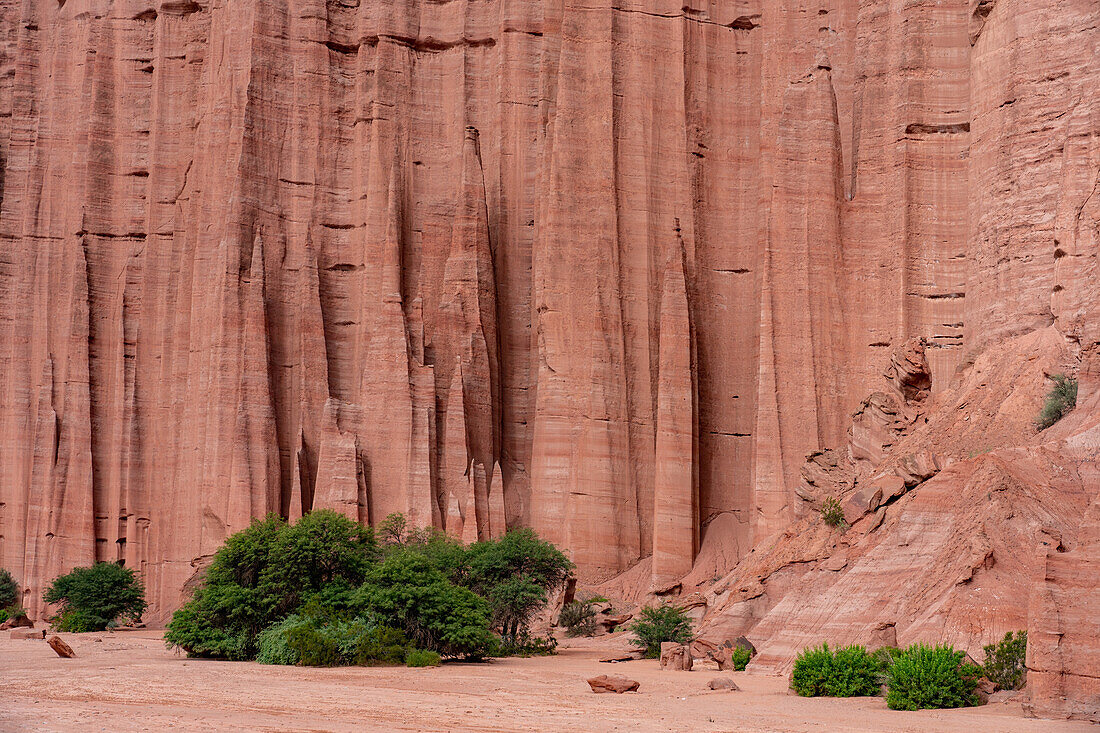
16	622
1003	696
613	683
25	633
63	650
723	683
675	656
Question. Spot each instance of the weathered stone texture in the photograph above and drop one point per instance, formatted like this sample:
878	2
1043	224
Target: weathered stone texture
608	270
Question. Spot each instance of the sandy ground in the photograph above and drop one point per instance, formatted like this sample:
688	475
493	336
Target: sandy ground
129	682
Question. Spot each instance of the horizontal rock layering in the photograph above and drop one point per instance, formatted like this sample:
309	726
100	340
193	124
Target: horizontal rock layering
609	270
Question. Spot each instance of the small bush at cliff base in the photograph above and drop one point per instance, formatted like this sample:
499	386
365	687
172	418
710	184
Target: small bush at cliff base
422	658
657	624
846	672
1061	398
1004	661
927	677
9	591
578	618
93	598
739	658
833	514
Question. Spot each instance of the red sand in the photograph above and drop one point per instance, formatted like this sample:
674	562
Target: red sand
129	682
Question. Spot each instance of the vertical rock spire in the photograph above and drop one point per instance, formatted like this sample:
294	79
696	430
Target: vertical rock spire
675	491
467	332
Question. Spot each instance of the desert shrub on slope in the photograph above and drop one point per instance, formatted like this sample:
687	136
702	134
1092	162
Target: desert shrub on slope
1061	398
1004	661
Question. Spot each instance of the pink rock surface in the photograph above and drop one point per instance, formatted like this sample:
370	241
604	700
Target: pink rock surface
608	270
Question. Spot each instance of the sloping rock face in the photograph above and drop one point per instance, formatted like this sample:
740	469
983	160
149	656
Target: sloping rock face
611	271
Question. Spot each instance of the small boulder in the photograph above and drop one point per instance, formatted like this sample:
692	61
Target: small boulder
613	622
24	633
624	657
613	683
723	683
63	650
16	622
985	690
675	656
1003	696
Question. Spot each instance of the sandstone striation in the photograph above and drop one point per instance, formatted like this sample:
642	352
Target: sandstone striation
612	271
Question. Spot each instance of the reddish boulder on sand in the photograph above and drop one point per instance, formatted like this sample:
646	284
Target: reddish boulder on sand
63	650
723	683
675	656
613	683
16	622
25	633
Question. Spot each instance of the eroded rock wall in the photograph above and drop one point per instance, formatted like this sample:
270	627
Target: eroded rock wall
610	270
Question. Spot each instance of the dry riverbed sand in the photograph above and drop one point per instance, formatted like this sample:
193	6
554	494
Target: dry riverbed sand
129	682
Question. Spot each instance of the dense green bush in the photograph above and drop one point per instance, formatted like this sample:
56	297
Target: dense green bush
578	618
832	513
515	574
273	643
263	573
9	591
93	598
422	658
931	677
323	591
740	658
657	624
316	638
408	593
1004	661
1061	398
845	672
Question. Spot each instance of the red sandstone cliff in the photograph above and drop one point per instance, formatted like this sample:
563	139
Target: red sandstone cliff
611	270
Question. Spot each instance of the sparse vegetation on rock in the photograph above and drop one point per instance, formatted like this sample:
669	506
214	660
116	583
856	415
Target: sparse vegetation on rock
1004	661
657	624
843	672
93	598
739	658
1061	398
933	677
578	618
832	513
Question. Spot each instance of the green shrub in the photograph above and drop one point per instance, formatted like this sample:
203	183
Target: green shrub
845	672
578	618
1061	398
657	624
740	658
422	658
319	641
931	677
515	573
832	513
526	645
265	572
408	593
93	598
273	646
9	591
1004	661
